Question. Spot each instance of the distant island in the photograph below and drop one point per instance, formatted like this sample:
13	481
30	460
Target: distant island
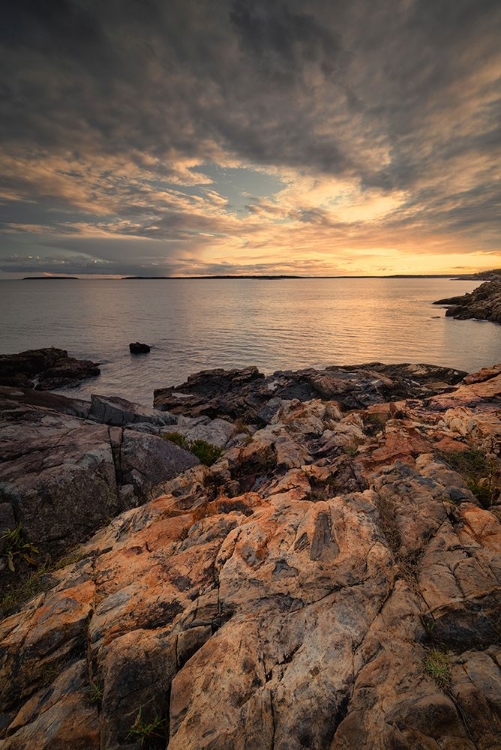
271	277
481	275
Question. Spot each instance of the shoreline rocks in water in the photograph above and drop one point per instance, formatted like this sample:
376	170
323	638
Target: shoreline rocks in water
138	348
333	580
244	394
484	303
45	369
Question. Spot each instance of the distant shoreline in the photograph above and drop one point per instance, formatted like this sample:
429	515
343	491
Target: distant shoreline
459	277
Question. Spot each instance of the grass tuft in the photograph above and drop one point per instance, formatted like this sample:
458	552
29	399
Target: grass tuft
437	664
145	731
26	589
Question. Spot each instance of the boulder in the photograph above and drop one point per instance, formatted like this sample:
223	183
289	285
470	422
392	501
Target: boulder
138	348
114	410
63	476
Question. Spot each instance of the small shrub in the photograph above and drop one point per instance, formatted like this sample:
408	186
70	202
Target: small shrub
437	664
479	472
207	453
177	439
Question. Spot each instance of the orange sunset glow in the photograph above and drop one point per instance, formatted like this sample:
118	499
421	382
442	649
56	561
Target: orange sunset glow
250	138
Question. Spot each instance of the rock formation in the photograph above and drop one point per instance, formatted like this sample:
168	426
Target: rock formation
484	303
245	394
332	582
138	348
45	369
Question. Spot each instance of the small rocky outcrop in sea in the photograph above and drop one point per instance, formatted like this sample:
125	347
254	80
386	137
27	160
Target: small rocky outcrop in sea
138	348
484	303
45	369
332	581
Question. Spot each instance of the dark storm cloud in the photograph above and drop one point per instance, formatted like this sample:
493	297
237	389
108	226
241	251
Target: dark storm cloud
282	38
109	106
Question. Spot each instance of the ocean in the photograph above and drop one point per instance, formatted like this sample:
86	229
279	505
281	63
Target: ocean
194	325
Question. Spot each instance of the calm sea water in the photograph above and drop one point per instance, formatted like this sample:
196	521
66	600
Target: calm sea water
201	324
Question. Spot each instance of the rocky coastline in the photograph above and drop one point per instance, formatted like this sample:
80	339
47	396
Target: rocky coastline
484	303
327	576
45	369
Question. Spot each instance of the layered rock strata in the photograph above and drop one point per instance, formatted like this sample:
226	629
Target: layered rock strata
332	581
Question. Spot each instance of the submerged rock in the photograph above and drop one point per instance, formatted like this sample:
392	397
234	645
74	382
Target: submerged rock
484	303
333	581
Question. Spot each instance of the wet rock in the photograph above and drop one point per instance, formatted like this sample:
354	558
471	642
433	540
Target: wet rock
484	303
44	369
138	348
248	395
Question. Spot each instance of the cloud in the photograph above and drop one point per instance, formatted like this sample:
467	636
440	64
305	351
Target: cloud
373	126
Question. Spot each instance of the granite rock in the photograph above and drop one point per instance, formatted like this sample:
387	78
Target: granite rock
291	596
484	303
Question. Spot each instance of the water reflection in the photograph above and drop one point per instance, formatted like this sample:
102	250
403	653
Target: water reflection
195	325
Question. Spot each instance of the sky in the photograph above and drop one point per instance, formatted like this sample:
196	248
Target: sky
201	137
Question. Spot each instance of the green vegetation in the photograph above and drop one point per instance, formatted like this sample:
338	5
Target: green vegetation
95	693
25	589
207	453
479	472
437	664
16	545
147	732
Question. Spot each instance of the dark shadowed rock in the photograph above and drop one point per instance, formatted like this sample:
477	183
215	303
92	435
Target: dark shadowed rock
138	348
147	460
114	410
249	395
66	373
49	368
63	477
484	303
